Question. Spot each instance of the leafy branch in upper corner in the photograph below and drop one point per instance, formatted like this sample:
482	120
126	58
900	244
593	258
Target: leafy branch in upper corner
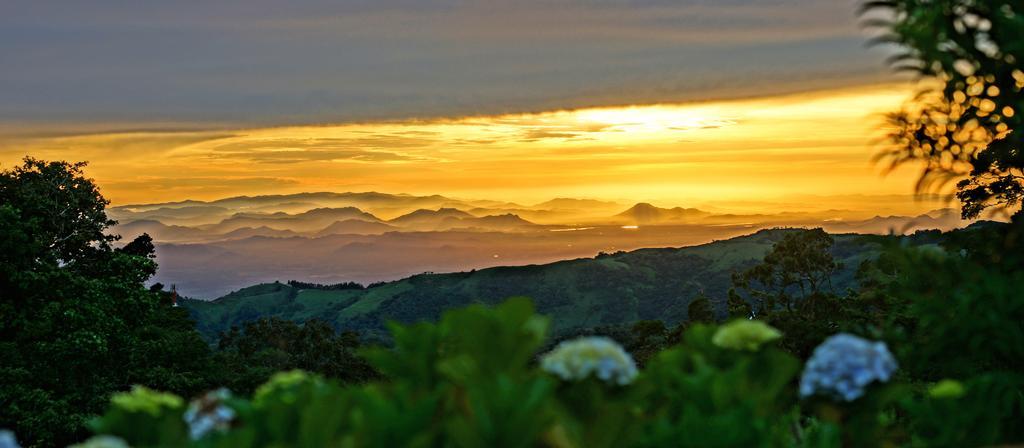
965	123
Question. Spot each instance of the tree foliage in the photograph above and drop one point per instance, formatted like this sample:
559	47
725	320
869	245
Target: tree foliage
796	272
469	380
78	322
252	354
966	121
699	310
62	213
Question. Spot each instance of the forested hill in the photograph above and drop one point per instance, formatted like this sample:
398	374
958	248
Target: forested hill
609	289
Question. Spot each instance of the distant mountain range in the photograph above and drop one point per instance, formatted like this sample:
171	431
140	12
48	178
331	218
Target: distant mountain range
309	221
321	222
211	247
356	227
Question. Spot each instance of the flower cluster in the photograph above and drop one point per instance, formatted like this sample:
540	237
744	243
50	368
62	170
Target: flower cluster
208	413
844	365
142	399
745	334
580	358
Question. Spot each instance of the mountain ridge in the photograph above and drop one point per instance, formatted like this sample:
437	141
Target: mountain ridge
656	283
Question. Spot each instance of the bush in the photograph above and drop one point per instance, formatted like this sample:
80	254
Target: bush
474	380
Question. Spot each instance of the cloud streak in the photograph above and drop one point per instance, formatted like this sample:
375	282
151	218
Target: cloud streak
262	62
684	153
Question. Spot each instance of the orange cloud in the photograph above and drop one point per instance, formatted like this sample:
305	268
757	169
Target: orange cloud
681	154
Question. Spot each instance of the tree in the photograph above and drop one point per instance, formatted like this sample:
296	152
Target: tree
78	322
251	354
792	289
63	211
646	338
966	121
797	271
142	246
958	311
699	310
738	306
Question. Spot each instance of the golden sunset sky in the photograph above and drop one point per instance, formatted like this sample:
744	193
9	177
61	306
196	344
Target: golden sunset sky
755	150
735	104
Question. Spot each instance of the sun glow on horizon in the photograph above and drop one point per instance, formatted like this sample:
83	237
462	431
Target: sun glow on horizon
658	118
681	154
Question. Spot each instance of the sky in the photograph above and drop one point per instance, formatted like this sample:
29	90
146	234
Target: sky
675	101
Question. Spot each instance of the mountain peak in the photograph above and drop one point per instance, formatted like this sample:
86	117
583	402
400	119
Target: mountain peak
645	206
427	215
647	213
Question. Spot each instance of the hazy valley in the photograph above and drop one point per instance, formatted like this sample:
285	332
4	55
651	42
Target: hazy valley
210	248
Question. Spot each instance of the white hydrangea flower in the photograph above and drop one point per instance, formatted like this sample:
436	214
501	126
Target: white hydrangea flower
844	365
600	357
208	413
7	439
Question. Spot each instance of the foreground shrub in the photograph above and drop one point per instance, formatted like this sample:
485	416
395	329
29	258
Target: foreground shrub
474	380
471	380
704	394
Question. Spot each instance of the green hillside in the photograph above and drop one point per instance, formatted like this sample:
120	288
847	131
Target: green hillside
609	289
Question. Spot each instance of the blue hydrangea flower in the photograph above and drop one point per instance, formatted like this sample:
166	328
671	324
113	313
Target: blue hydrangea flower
844	365
7	439
208	413
581	358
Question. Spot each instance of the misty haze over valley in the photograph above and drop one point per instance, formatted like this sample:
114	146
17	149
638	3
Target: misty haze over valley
209	248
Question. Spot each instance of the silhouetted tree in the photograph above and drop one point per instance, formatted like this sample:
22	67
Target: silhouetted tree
966	121
142	246
699	310
330	287
738	307
78	322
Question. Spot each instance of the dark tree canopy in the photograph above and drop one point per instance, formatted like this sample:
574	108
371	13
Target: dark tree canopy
738	307
699	310
260	348
142	246
966	122
78	322
62	212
